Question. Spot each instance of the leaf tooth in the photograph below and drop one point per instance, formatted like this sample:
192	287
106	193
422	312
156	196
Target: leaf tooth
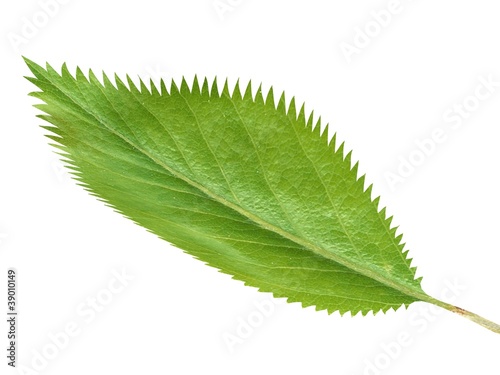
184	87
69	163
361	311
361	179
384	311
154	89
316	131
56	138
409	260
133	88
173	88
80	77
259	99
107	82
65	72
79	177
369	190
394	229
310	120
33	67
50	128
214	92
413	271
318	122
407	256
329	310
324	133
33	80
51	71
376	201
60	143
225	89
340	150
76	175
292	111
144	88
120	85
64	156
270	98
354	169
236	92
44	107
196	86
163	88
205	91
56	135
302	116
402	246
63	148
347	159
36	94
389	220
333	141
365	312
87	188
282	104
248	91
383	212
93	79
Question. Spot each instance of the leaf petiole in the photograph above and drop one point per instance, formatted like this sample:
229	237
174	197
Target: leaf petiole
492	326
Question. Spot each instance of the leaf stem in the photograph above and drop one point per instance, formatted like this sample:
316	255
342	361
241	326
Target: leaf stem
494	327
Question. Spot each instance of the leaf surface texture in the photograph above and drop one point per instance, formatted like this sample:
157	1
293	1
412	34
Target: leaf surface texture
246	185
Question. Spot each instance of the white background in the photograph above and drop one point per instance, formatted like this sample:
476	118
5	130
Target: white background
172	317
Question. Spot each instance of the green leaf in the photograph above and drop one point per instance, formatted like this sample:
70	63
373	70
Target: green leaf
249	187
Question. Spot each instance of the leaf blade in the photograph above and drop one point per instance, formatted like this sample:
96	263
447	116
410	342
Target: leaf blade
301	206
